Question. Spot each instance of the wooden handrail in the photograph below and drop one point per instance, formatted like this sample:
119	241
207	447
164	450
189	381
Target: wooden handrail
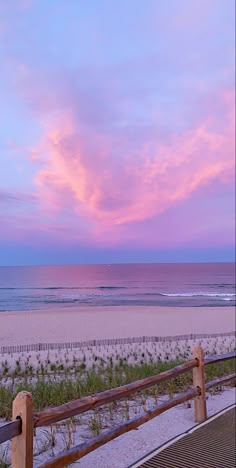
21	430
219	358
56	414
214	383
10	430
81	450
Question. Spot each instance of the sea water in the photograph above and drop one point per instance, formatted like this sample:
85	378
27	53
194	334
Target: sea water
178	284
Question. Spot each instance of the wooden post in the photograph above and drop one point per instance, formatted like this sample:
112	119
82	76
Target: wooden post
22	445
199	381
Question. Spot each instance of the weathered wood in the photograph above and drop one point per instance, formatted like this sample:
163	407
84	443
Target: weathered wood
81	450
113	341
199	381
10	430
22	446
219	358
221	380
52	415
21	430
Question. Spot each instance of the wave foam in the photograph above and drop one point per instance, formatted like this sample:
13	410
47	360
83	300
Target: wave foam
201	294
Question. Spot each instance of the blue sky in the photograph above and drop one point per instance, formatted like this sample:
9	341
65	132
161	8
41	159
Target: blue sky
117	131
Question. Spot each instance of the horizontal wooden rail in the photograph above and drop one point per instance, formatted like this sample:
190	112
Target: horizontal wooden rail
10	430
52	415
221	380
83	449
219	358
21	430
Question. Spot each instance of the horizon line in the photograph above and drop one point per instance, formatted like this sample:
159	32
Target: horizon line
115	263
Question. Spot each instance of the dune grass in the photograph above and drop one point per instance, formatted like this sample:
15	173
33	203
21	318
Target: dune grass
57	385
57	388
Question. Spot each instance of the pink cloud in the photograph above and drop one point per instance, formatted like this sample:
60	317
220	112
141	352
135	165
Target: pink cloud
137	183
111	174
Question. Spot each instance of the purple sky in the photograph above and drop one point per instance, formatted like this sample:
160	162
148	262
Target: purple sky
117	131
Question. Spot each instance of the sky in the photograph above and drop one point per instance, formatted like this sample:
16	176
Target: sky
116	131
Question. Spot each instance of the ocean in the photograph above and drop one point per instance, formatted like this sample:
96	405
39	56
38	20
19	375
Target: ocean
179	284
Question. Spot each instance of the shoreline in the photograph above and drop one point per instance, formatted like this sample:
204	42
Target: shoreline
84	323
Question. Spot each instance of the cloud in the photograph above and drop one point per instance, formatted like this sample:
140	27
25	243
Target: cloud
129	134
110	180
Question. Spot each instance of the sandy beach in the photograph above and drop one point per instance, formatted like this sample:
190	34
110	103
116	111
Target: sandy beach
111	322
116	322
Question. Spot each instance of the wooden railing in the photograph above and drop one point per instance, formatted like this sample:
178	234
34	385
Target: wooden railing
21	429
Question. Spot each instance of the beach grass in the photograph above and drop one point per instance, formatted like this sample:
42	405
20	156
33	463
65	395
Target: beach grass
60	386
57	377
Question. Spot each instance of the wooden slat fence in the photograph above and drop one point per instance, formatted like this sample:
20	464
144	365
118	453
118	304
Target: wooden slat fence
108	342
25	420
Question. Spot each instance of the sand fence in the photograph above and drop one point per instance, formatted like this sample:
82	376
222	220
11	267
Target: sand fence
108	342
